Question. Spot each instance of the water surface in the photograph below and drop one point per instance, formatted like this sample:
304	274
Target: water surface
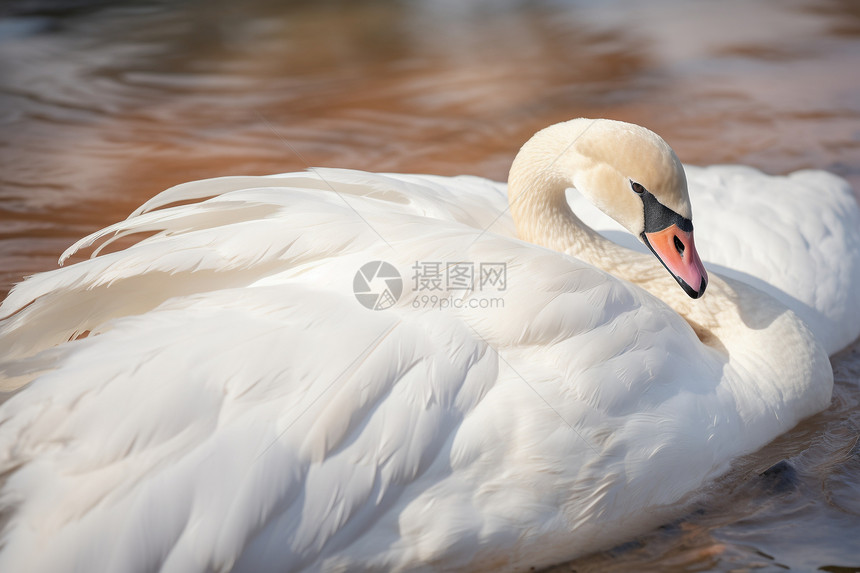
103	104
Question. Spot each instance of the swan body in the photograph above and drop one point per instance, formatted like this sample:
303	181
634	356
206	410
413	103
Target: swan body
214	397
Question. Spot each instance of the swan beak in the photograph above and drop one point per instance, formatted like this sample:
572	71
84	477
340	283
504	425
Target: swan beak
677	251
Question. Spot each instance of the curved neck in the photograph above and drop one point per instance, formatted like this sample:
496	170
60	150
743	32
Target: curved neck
734	319
548	165
539	207
542	215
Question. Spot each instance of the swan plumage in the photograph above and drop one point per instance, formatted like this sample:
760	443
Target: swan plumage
213	397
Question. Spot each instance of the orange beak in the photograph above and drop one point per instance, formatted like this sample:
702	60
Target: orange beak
677	251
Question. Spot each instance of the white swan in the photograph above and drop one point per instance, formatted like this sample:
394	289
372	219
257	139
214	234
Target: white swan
215	398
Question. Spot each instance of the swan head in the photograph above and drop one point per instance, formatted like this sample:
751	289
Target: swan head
633	176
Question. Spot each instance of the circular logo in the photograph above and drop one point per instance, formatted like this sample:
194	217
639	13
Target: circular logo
377	285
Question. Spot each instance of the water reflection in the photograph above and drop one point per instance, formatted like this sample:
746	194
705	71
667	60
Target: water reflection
102	104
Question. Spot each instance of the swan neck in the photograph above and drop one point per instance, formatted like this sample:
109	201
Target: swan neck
538	180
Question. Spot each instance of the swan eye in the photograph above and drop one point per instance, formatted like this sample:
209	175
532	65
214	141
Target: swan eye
679	246
637	187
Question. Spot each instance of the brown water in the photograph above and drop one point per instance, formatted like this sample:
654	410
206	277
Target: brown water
103	104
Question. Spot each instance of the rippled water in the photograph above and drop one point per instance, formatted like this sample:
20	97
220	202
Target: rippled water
103	104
